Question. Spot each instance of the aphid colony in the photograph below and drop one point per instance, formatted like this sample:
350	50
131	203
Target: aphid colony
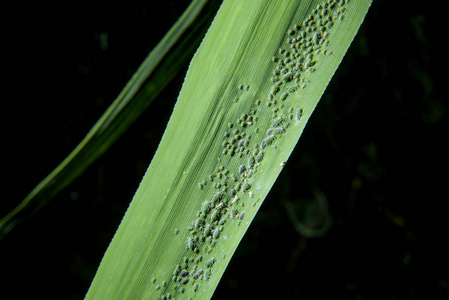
247	148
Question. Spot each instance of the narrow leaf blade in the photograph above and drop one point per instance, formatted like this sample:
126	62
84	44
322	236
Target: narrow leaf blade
249	91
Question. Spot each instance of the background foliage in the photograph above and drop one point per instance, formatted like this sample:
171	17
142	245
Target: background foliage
375	148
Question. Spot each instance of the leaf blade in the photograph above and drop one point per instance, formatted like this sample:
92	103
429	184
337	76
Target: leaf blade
156	71
232	83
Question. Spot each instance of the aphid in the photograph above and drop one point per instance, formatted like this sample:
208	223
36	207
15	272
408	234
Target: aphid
241	216
216	197
164	283
238	186
200	186
184	273
259	157
287	77
214	215
206	231
241	143
299	114
210	262
185	281
195	276
246	186
216	233
234	200
205	207
278	131
153	280
232	193
251	161
276	122
274	90
241	169
190	244
283	163
284	96
198	223
267	141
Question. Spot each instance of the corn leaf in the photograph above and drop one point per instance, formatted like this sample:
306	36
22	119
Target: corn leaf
156	71
249	91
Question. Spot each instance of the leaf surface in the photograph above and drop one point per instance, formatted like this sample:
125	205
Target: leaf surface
249	91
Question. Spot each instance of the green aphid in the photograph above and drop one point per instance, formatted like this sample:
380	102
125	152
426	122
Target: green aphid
259	157
206	231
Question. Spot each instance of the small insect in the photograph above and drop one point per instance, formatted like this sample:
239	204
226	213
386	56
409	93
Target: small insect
276	122
214	215
216	197
205	207
232	193
283	163
184	273
299	114
267	141
185	281
316	38
198	223
278	131
206	231
241	169
241	216
274	90
190	244
259	157
210	262
216	233
284	96
251	161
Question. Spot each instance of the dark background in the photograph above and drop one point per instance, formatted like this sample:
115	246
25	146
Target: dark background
375	149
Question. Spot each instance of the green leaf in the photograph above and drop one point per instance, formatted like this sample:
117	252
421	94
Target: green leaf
250	89
157	70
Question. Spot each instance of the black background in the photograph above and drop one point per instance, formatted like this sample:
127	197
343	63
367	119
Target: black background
376	148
